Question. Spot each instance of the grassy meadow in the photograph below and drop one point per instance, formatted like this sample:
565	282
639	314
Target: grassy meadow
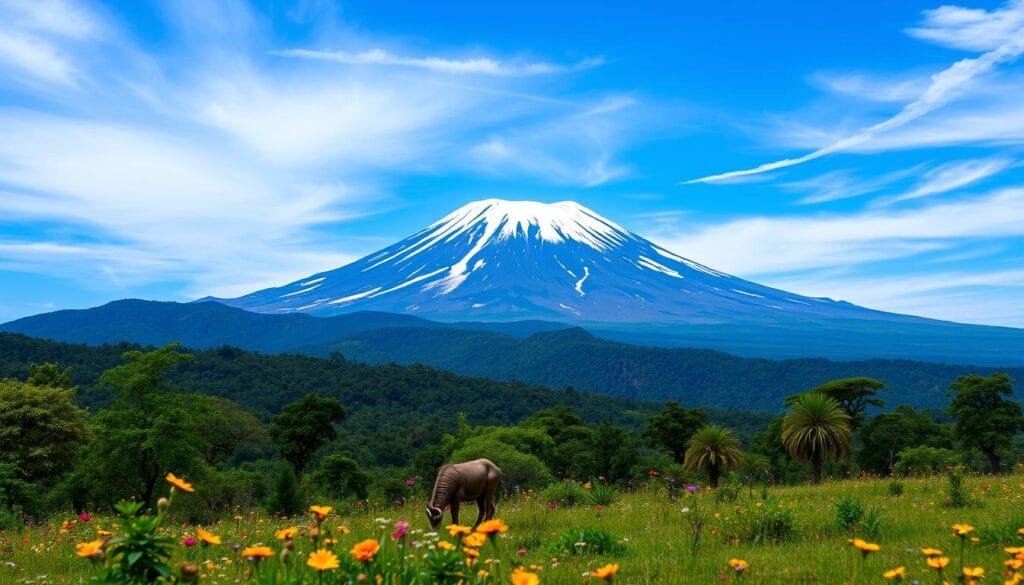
785	534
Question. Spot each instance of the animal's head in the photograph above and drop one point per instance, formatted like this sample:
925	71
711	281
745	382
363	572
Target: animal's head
434	514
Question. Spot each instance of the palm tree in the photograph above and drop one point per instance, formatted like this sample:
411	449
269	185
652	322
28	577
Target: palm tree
754	466
815	428
714	449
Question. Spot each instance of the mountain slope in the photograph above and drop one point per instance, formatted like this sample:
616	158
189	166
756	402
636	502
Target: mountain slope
505	260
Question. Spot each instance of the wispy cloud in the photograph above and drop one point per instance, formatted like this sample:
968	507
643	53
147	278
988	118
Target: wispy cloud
844	184
1000	33
471	66
950	177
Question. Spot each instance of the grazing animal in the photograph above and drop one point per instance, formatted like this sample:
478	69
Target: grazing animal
471	481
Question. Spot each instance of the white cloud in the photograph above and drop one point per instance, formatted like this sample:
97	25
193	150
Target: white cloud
949	177
843	184
472	66
35	58
871	88
1000	33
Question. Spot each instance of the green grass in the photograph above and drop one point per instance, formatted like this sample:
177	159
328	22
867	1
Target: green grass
654	531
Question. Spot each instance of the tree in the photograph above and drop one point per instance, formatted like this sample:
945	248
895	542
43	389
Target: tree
573	453
713	449
340	476
925	460
144	373
815	428
49	375
286	499
985	419
41	430
672	428
304	426
615	452
889	433
754	466
854	395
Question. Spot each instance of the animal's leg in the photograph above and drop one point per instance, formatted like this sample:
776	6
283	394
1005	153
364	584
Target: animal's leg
489	498
455	512
481	504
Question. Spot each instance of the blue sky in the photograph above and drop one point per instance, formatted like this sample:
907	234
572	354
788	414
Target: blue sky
866	151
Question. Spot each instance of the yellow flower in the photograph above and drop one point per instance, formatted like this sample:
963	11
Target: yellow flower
1020	531
739	565
207	537
88	550
471	553
931	552
445	545
456	529
492	527
864	546
606	572
896	574
179	483
286	533
104	533
320	512
475	540
962	530
365	551
1014	564
938	563
344	530
974	571
323	560
258	552
1014	550
523	577
483	574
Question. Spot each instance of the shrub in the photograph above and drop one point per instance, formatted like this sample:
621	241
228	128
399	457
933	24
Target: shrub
564	493
286	499
916	461
871	526
956	493
585	541
895	488
339	476
727	492
770	524
602	494
848	513
519	470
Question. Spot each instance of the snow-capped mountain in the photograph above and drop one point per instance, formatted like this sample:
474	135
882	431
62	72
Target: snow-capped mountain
512	260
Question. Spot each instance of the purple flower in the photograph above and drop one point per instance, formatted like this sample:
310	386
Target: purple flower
410	482
189	541
692	488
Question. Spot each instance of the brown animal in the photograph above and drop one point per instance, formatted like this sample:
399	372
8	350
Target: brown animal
475	480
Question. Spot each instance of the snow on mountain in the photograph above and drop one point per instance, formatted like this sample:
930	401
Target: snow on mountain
511	260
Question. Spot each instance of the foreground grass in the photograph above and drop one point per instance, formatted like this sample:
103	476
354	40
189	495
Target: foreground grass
656	534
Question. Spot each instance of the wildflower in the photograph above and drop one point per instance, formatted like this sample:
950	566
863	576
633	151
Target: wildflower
521	552
690	488
1014	550
84	517
89	550
974	571
1020	531
483	574
962	530
471	553
207	538
606	572
552	505
189	572
1014	564
410	482
258	552
938	563
286	533
445	545
523	577
739	565
65	526
323	560
320	512
456	530
864	546
652	473
365	551
475	540
896	574
179	483
401	529
344	530
931	552
492	527
189	542
598	507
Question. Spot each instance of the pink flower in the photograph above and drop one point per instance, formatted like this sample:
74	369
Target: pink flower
84	517
599	507
189	541
401	529
521	552
410	482
552	505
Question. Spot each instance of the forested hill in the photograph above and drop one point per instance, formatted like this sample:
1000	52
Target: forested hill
692	376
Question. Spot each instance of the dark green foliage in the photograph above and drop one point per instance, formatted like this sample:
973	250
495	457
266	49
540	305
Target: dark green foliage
138	554
985	417
848	513
339	476
889	433
854	395
895	488
304	426
672	428
49	375
565	494
602	494
286	498
41	429
956	493
586	541
924	460
16	497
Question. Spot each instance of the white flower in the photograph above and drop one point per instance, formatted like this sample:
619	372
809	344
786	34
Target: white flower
686	510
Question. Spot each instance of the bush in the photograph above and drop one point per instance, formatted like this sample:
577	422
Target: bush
339	476
871	526
956	493
565	494
770	524
585	541
518	470
848	513
286	499
895	488
727	492
602	494
917	461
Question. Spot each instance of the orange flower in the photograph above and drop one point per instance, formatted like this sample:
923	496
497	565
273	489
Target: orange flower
938	563
523	577
365	551
896	574
258	552
864	546
323	560
320	512
492	527
606	572
286	533
974	571
344	530
456	529
739	565
445	545
931	552
1014	564
962	530
207	537
89	550
179	483
1014	550
471	553
475	540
